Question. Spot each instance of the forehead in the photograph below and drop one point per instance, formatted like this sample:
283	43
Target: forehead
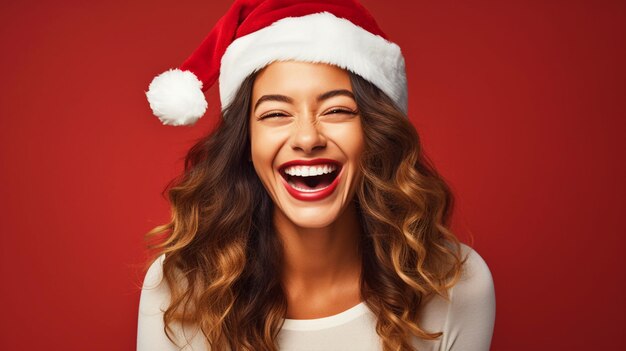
300	78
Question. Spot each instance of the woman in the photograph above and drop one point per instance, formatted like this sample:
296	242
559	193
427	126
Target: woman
309	219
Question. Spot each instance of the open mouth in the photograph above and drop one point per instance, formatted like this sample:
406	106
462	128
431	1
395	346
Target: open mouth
310	179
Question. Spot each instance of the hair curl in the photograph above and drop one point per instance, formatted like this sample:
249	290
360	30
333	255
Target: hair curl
222	256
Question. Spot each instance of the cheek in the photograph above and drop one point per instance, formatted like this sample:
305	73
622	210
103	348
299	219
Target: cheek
349	138
256	139
263	151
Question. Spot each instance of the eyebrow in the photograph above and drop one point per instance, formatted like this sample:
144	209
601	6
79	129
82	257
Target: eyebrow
321	97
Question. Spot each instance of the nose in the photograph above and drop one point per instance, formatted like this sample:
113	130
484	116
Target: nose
307	136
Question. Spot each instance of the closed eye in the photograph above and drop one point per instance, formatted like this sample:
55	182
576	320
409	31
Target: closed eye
338	110
271	115
333	111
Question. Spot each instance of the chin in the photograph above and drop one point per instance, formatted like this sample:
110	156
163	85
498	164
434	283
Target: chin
313	217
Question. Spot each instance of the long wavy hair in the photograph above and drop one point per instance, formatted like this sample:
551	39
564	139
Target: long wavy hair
223	258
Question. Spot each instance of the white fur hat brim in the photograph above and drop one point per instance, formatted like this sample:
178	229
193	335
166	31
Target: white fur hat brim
320	37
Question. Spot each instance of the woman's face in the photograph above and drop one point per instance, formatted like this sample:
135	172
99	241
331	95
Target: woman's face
306	140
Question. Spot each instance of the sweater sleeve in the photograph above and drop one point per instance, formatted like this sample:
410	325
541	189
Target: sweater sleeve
154	299
471	314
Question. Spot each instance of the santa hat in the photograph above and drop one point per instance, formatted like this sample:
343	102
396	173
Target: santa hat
254	33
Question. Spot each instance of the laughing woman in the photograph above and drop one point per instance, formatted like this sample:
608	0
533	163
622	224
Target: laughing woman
309	219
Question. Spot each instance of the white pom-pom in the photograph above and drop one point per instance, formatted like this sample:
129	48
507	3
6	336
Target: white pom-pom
176	97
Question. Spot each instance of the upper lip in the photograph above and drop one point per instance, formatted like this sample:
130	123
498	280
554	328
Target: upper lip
315	161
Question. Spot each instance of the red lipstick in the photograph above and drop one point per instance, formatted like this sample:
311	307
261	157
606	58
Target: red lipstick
311	195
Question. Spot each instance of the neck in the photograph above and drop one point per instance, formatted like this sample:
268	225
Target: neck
320	259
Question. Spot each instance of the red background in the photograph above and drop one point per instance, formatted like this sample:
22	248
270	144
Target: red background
519	103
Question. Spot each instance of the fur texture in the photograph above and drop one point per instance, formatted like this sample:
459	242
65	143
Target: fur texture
176	97
320	37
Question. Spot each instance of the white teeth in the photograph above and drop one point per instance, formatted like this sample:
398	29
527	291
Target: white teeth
308	171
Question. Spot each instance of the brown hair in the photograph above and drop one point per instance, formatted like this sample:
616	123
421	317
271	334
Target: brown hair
223	258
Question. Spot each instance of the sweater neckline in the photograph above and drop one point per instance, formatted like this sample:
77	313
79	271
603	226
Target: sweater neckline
326	322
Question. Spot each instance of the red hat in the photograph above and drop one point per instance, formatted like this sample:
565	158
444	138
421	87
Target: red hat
254	33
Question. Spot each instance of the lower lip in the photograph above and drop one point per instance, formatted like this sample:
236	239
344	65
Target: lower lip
315	195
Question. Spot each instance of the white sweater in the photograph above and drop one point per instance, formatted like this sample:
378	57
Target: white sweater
466	321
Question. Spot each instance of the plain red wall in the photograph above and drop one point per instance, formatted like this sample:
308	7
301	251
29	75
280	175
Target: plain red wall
519	103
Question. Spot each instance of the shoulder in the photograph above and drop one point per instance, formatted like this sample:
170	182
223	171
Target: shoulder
476	281
472	309
154	292
153	302
154	274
